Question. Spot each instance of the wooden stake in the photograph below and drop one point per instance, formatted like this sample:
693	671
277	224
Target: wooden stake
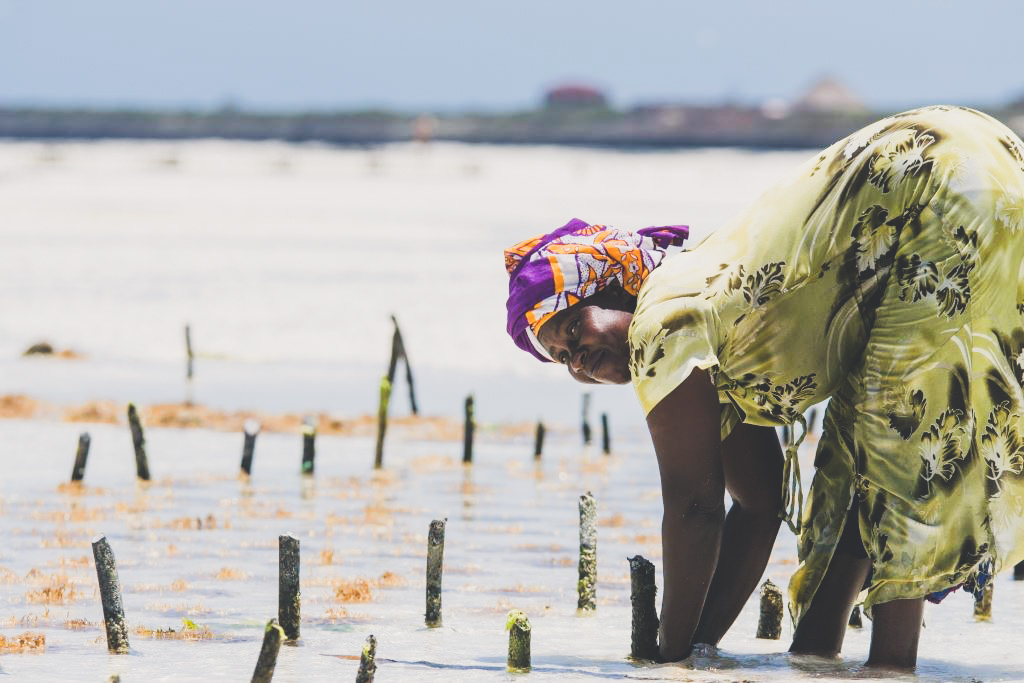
188	350
110	596
367	661
272	637
382	421
252	429
78	471
586	586
606	438
643	591
288	598
139	441
435	563
398	351
983	603
308	447
1018	572
538	442
769	625
518	627
855	618
470	426
586	419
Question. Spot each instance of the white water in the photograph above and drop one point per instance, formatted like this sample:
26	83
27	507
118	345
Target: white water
287	261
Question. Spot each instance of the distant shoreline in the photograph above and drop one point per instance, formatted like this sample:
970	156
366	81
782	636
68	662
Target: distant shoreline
655	127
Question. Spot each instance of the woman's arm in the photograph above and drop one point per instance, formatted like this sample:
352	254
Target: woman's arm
752	462
685	428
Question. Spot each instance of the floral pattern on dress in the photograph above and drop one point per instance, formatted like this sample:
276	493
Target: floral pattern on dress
953	291
941	445
905	417
916	278
764	284
1001	445
873	237
782	403
903	155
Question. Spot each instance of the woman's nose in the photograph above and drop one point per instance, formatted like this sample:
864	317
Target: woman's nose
577	359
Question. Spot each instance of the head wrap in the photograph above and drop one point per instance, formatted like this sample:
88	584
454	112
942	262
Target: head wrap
551	272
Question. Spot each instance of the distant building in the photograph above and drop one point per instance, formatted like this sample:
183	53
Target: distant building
574	96
829	95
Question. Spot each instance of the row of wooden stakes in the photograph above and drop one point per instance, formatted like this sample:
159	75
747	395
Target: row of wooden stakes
286	626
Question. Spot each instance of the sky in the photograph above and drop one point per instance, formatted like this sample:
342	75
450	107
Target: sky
416	55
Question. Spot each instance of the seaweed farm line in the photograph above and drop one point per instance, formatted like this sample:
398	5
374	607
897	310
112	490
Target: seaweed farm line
197	554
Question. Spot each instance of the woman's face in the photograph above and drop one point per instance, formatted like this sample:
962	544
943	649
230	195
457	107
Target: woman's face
592	340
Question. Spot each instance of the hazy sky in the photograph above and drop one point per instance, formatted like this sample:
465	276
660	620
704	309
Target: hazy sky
413	55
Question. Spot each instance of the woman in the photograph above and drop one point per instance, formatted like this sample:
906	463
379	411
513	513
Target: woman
883	275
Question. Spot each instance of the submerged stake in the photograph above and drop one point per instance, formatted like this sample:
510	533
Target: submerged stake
288	607
78	471
606	438
435	563
586	586
139	441
367	661
272	637
467	444
983	603
110	596
518	627
252	428
642	594
538	442
382	421
769	625
586	418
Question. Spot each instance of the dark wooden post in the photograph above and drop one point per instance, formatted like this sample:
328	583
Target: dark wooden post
308	448
252	429
78	471
139	442
470	426
769	625
435	565
643	591
586	419
110	596
288	597
606	438
272	637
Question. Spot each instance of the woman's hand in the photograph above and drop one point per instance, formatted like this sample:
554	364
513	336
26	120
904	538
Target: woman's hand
685	428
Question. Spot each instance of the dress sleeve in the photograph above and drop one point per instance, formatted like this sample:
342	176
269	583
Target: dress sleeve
667	341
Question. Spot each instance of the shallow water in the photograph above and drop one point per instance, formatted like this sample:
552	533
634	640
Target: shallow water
511	543
287	261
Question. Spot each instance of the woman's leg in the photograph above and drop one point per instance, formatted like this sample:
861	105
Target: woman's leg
895	631
823	627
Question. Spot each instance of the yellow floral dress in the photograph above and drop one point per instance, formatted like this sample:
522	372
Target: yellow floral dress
887	275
